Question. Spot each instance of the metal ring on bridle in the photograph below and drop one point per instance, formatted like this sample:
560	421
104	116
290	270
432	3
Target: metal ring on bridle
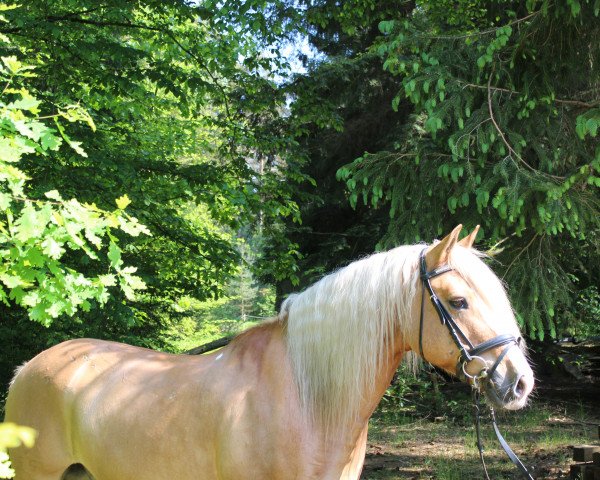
483	373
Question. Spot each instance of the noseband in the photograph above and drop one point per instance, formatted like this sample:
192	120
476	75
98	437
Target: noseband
467	353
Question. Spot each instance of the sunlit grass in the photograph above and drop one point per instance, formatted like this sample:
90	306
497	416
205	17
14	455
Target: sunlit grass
405	446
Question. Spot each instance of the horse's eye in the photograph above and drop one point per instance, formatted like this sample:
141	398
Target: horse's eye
459	303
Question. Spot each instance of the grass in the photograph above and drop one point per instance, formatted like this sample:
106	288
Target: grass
403	446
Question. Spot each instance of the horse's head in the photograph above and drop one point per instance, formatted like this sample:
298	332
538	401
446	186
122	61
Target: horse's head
467	326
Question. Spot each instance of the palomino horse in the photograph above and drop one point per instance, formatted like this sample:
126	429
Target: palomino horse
288	399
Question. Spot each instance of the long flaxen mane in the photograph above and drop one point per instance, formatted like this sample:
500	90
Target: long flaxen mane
338	330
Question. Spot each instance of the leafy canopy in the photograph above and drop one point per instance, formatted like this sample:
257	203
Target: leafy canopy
186	129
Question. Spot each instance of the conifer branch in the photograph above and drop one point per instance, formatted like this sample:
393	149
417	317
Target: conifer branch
484	32
577	103
519	254
511	150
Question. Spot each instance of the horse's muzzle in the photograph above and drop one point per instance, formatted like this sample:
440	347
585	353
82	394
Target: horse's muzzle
509	392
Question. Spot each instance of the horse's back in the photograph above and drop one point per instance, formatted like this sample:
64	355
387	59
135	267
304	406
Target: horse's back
68	369
53	373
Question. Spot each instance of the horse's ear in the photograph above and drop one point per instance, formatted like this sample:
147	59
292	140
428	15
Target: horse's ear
438	254
469	240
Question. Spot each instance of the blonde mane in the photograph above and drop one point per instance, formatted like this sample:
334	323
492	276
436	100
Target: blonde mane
338	330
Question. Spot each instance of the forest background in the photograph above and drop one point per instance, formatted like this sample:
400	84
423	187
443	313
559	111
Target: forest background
170	170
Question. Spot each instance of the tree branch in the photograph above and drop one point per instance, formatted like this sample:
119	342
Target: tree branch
518	255
74	19
485	32
577	103
210	346
511	151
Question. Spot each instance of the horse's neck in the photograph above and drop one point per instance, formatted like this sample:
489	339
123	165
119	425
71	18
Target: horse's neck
382	381
347	443
264	349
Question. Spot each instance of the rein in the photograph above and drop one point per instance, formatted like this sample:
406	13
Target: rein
468	353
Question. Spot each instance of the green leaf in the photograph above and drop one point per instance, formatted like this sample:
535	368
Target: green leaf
53	195
26	103
34	257
32	222
12	64
386	26
122	202
592	126
55	309
114	255
77	147
31	299
52	248
575	7
10	151
13	436
5	201
12	281
50	141
107	280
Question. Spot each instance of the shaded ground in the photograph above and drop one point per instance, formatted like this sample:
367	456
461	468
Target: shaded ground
403	447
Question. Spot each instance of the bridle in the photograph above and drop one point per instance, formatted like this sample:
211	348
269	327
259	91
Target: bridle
467	353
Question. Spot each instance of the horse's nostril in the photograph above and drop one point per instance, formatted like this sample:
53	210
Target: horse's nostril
520	387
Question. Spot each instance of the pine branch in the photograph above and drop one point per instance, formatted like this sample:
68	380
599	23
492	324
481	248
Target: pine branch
482	33
519	254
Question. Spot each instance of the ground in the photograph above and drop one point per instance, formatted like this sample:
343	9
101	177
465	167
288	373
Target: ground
403	446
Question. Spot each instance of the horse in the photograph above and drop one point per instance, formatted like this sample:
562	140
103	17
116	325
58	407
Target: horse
288	399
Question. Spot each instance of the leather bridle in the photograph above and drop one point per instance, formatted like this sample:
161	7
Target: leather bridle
467	353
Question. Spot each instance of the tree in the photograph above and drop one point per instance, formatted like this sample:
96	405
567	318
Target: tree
496	124
174	91
36	234
340	107
503	134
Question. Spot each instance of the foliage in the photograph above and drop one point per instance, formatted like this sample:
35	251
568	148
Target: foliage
582	320
245	302
203	322
12	436
339	108
503	133
37	234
